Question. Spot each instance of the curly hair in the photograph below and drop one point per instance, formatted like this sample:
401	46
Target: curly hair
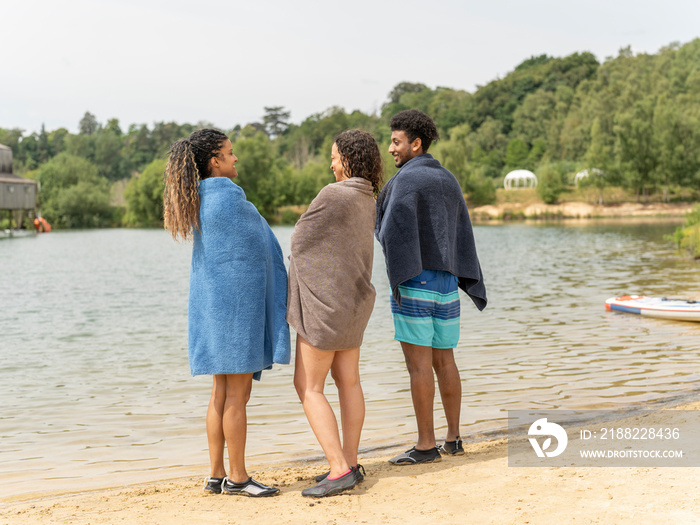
188	163
416	125
360	157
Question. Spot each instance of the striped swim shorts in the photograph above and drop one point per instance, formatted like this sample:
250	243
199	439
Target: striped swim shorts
429	313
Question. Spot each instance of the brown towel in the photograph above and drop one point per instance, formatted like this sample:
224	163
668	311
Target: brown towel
330	295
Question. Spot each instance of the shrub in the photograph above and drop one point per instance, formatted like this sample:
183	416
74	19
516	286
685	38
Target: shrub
549	183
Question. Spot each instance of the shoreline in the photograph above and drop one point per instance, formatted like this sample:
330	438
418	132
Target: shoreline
513	211
478	487
535	209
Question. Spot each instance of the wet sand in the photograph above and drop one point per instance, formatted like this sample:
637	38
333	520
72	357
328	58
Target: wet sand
478	487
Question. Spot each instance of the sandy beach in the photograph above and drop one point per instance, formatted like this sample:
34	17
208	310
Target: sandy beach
477	487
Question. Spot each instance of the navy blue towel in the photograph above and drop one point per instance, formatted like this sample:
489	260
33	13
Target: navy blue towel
423	224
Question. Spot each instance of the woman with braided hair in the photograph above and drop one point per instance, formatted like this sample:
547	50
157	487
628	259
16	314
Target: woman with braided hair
237	299
331	299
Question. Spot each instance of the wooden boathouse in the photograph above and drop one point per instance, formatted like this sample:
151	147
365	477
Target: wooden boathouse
18	196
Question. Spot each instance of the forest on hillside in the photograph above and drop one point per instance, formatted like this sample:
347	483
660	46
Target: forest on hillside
633	121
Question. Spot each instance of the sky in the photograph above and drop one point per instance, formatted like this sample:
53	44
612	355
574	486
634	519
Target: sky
223	62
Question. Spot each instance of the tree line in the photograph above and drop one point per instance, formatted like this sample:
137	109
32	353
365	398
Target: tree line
633	121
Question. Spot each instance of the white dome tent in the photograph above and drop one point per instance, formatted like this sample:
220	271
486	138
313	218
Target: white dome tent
586	173
520	179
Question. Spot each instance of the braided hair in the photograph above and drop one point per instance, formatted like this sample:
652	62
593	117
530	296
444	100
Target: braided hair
360	157
188	163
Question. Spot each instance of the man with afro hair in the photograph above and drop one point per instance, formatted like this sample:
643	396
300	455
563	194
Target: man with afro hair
426	235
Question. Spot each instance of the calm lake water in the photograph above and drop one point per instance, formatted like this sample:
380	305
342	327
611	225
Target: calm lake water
95	385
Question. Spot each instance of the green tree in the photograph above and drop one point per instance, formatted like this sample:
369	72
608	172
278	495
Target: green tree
163	135
310	180
488	143
517	154
108	156
454	153
637	146
598	159
549	183
43	149
82	205
138	146
11	138
88	124
531	119
599	152
73	195
687	237
480	186
450	108
539	148
677	134
276	120
402	88
260	171
113	126
395	102
81	145
28	149
57	141
144	196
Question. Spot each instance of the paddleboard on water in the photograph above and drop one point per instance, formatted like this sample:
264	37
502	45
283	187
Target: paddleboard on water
660	307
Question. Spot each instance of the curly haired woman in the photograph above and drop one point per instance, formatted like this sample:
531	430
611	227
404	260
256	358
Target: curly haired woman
238	294
331	299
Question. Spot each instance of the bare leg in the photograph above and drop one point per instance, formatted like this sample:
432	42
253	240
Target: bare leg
235	423
346	373
419	360
450	389
310	371
215	429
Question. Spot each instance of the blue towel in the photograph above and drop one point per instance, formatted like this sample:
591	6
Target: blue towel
423	224
238	287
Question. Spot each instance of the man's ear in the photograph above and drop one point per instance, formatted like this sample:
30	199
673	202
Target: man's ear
417	145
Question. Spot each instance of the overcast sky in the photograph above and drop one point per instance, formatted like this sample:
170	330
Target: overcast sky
143	61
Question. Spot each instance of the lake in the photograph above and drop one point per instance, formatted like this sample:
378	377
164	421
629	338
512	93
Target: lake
95	384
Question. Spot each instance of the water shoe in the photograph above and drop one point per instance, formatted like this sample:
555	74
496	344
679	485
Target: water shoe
250	487
359	472
330	487
213	485
453	448
413	456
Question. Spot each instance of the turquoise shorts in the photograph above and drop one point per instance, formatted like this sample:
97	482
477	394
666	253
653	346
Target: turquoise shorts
429	313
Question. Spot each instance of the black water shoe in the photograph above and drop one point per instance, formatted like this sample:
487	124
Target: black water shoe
213	485
453	448
250	487
413	456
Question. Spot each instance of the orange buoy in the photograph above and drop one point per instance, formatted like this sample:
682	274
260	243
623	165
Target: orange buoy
42	225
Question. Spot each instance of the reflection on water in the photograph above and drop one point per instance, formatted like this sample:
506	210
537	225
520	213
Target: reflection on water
95	384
